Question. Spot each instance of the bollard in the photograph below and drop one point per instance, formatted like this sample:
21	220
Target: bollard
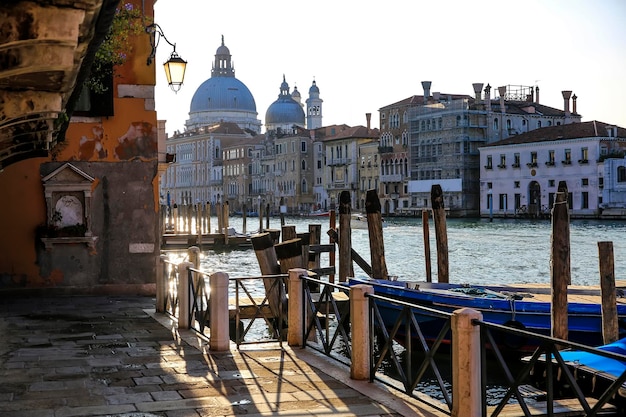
218	312
466	357
193	254
161	284
184	296
360	326
297	316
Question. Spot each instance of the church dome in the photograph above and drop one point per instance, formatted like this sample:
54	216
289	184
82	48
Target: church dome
222	93
285	111
223	98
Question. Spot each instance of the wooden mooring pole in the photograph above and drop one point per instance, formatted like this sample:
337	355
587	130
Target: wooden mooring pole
332	219
426	231
610	325
441	234
375	229
345	237
560	276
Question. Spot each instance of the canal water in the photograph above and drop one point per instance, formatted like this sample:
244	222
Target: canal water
511	251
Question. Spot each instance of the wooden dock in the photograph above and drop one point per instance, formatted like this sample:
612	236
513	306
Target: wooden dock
207	241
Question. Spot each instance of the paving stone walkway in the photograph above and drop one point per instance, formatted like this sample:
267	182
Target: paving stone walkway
112	356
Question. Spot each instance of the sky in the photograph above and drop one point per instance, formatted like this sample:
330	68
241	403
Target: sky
367	55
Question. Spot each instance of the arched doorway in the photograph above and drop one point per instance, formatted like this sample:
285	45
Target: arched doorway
534	199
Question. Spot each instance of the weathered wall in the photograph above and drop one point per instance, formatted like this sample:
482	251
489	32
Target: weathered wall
120	153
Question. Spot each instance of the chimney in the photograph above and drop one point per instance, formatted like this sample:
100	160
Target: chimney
488	97
502	92
537	94
368	117
566	96
436	96
574	97
426	86
477	90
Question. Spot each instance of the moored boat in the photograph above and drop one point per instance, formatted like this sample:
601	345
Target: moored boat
505	305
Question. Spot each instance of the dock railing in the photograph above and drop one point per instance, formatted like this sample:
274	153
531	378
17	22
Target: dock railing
453	372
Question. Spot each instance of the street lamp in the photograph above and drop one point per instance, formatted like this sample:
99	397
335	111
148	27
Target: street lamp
175	66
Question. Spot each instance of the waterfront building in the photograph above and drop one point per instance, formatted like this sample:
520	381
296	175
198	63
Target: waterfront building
197	173
368	172
519	176
434	138
342	162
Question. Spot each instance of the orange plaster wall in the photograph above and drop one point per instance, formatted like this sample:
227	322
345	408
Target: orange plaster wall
22	209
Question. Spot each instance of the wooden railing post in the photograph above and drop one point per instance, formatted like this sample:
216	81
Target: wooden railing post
466	366
610	322
184	295
297	314
161	284
360	326
218	312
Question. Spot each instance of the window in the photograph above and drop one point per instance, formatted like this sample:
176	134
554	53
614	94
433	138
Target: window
568	157
495	124
502	161
585	181
303	165
621	174
550	158
303	146
584	154
550	183
516	184
489	162
502	198
508	124
538	124
584	204
533	160
516	160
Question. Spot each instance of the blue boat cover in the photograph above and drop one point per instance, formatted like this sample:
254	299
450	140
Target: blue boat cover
599	363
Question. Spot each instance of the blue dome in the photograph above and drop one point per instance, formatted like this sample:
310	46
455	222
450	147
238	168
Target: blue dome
285	110
222	93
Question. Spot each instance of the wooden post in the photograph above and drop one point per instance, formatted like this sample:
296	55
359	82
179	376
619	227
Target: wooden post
466	378
263	246
297	320
260	218
225	209
289	254
244	215
610	325
267	216
305	237
289	232
175	218
332	218
426	230
360	328
218	311
375	229
219	213
560	263
315	238
193	254
355	255
208	217
345	237
188	229
439	216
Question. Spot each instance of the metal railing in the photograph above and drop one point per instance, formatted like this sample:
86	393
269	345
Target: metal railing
170	276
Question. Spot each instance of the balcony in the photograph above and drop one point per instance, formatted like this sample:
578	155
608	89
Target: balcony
583	161
339	161
531	165
566	162
502	166
488	167
549	163
385	149
391	178
515	165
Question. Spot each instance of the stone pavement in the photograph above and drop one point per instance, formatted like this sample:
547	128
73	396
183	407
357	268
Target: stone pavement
113	356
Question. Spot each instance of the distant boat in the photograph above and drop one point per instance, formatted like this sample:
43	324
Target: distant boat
248	214
498	304
359	221
319	213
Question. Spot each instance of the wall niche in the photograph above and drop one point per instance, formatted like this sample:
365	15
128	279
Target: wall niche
67	191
